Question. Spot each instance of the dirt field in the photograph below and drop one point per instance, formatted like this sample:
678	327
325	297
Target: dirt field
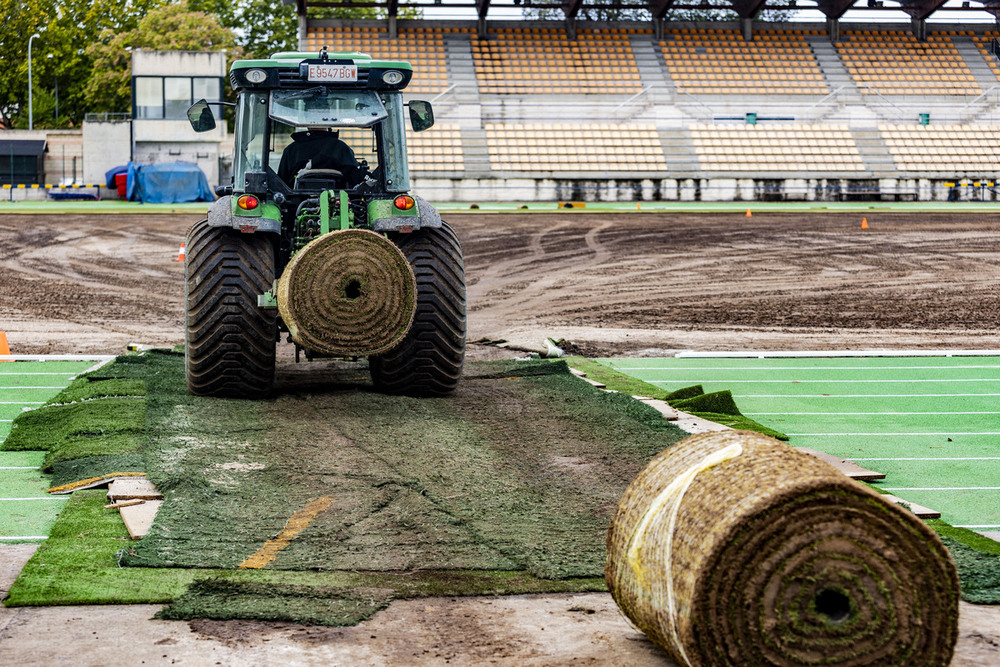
607	283
639	284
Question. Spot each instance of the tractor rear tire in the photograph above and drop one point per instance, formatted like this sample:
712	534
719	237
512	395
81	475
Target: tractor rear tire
428	361
230	341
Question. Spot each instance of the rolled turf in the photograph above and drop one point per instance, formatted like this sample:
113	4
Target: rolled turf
733	547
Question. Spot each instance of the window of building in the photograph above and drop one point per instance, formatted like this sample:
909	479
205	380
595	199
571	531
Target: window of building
168	97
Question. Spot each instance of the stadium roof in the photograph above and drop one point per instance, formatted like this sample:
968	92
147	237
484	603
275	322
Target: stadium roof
918	10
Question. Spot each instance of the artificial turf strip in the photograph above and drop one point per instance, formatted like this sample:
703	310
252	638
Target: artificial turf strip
616	380
520	469
979	572
78	563
78	430
67	472
85	388
718	407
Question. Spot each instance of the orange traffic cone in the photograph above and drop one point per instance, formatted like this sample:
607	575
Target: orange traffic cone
864	223
4	347
180	254
749	214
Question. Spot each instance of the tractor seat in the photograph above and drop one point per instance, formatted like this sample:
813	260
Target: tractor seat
319	179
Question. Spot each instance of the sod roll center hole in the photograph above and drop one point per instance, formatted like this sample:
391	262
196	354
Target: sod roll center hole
833	605
352	290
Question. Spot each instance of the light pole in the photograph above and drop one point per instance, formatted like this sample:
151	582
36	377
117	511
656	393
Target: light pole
31	124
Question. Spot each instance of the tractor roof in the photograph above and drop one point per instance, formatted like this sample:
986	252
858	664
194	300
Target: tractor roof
293	69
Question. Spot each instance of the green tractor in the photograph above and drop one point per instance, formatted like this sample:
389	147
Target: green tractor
318	238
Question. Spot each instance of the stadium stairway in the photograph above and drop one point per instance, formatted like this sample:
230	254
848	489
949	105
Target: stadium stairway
970	54
678	151
874	153
838	79
652	71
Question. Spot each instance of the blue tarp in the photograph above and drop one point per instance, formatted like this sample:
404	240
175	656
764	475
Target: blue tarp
109	175
169	183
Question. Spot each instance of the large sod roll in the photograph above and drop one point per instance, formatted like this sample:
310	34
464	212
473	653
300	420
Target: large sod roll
349	293
731	548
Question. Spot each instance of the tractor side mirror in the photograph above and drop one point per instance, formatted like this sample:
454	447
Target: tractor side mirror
421	115
200	117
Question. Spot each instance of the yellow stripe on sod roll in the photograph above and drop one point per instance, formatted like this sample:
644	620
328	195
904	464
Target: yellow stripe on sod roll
733	548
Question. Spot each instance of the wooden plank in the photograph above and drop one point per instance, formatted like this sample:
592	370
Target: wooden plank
139	518
133	488
660	406
919	510
849	468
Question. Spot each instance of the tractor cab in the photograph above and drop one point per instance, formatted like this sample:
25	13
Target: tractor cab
317	239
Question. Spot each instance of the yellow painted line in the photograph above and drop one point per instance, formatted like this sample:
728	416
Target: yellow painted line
296	524
66	488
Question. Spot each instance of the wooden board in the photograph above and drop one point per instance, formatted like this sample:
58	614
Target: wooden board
849	468
919	510
139	518
133	488
661	406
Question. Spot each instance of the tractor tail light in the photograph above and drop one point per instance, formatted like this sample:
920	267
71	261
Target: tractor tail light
247	202
404	202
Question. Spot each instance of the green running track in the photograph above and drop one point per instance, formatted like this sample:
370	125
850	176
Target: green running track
930	423
26	511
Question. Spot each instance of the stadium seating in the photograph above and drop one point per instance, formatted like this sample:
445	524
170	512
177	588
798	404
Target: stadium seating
573	148
721	62
438	149
423	48
790	148
545	61
952	149
894	62
983	42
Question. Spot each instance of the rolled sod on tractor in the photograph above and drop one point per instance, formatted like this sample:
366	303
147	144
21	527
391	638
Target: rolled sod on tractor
348	293
734	548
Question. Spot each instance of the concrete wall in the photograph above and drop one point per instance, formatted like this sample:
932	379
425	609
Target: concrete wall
699	189
105	145
183	63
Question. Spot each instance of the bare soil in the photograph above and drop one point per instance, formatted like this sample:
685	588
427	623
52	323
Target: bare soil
638	284
609	284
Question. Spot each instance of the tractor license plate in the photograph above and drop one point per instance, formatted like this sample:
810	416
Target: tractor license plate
333	73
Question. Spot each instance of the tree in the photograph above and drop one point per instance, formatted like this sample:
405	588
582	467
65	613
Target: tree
261	27
171	27
65	28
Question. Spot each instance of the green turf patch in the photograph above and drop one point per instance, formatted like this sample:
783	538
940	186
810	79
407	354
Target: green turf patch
67	472
614	379
978	571
85	388
505	488
719	407
78	564
519	470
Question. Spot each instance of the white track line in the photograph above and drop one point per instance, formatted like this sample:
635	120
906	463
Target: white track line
691	354
876	414
103	358
19	468
32	387
940	488
910	381
841	435
62	374
41	498
975	525
927	458
25	537
798	396
796	368
21	402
